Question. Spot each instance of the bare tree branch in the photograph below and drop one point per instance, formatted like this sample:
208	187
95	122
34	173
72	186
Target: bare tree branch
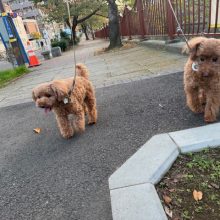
101	15
88	16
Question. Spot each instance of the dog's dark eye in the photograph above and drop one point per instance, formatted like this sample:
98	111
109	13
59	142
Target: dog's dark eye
202	59
214	59
48	95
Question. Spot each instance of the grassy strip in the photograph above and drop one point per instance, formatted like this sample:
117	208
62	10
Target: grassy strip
198	171
8	75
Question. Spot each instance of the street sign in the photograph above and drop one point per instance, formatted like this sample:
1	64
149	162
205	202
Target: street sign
8	27
4	34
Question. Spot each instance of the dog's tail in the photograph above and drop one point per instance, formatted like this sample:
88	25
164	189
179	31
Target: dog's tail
81	70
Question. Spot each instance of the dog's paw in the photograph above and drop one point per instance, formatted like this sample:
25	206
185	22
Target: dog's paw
80	129
198	109
67	135
209	118
91	122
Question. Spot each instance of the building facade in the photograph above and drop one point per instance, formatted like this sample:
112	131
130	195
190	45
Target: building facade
27	10
24	8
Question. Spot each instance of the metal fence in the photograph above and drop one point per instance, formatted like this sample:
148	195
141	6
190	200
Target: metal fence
198	16
150	18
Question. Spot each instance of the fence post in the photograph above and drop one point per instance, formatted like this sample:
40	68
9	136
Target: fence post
128	21
104	30
171	25
140	10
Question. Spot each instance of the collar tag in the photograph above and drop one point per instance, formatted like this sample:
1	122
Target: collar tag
65	101
195	67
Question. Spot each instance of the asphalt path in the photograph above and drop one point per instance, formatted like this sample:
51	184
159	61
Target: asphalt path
43	176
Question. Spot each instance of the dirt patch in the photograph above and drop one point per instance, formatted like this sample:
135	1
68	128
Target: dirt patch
191	189
127	45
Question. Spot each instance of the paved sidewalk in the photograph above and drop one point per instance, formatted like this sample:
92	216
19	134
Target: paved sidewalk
106	69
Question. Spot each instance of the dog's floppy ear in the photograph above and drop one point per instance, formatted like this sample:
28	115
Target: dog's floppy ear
33	96
60	90
194	45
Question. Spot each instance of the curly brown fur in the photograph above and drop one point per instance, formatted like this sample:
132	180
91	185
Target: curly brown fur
51	95
202	87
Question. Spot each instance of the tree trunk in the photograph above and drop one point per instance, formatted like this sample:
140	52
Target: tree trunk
74	34
114	30
92	32
75	22
71	29
84	28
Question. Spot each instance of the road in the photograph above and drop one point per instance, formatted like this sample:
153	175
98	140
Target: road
43	176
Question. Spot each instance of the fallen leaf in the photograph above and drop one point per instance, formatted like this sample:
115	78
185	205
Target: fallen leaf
168	212
37	130
175	180
180	176
167	199
214	185
172	190
197	195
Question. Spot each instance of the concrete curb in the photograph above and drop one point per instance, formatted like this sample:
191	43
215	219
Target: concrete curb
172	47
132	191
160	45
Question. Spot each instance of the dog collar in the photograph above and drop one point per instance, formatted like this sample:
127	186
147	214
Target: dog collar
195	67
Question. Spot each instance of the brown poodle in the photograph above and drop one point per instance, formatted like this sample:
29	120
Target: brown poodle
55	96
202	77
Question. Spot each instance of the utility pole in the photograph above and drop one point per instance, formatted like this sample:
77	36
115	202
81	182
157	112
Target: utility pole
16	49
2	9
9	55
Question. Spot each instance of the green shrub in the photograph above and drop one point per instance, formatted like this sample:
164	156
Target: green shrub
64	35
63	44
54	43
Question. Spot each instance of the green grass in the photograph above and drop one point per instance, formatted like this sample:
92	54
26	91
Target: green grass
8	75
